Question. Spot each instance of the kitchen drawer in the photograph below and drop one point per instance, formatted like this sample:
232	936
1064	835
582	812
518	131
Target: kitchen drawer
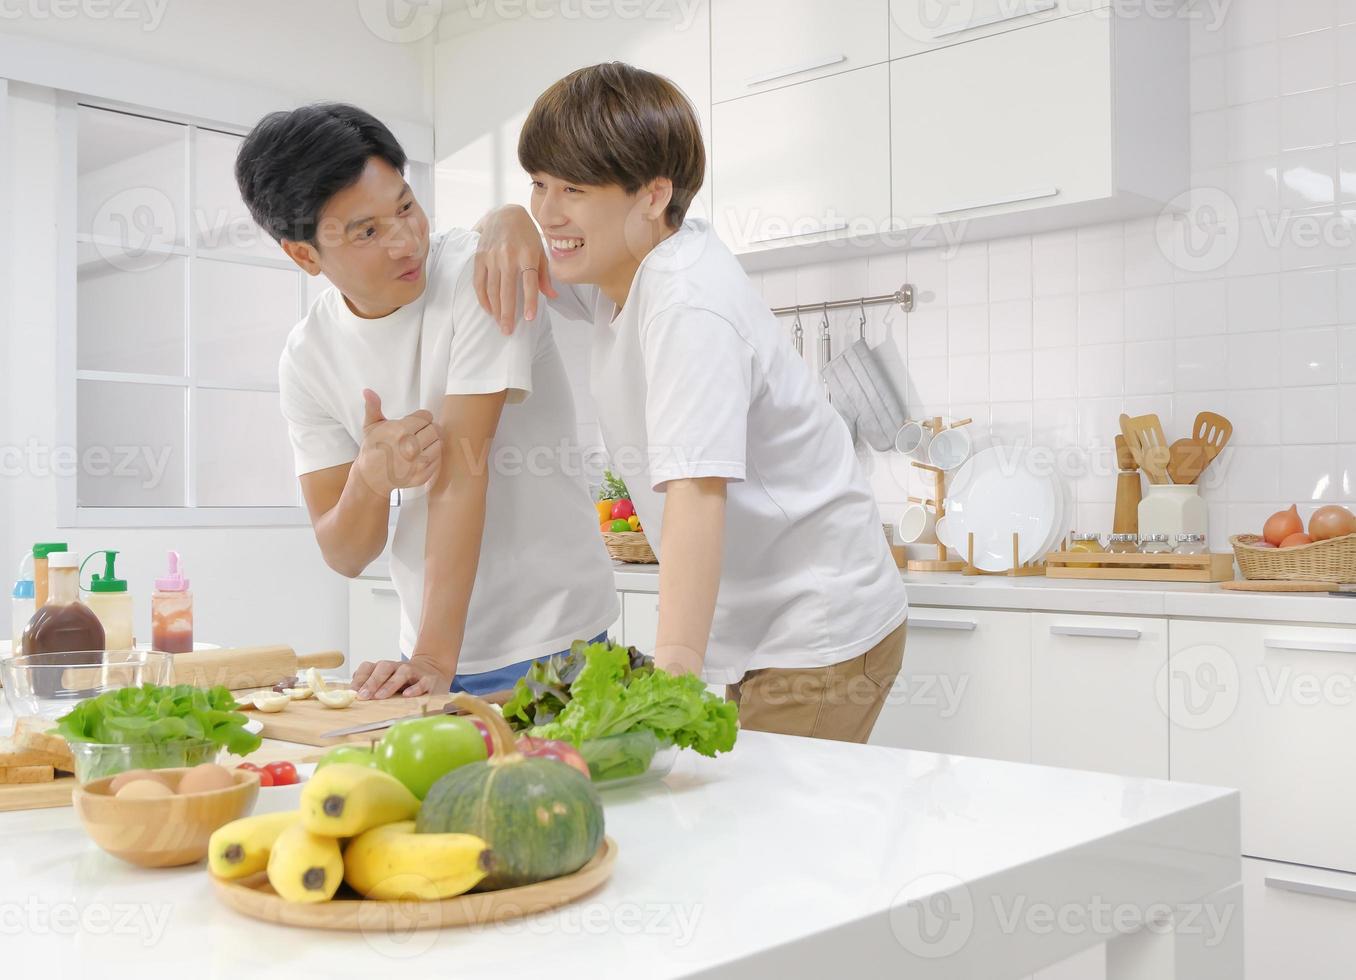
373	621
1301	922
1093	703
806	163
1269	709
964	687
917	26
640	616
760	45
1016	121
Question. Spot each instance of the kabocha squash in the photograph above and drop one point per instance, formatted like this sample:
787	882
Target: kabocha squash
542	818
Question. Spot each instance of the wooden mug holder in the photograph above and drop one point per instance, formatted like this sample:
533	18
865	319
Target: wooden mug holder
938	504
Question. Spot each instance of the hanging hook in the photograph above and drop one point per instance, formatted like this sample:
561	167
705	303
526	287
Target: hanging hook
861	321
798	335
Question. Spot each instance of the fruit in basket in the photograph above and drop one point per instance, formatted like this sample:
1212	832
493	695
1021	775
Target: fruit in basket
305	867
604	510
392	862
420	751
1295	540
1282	524
1331	522
623	509
343	800
241	848
619	527
541	819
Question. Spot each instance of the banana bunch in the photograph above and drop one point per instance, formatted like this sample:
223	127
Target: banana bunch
385	859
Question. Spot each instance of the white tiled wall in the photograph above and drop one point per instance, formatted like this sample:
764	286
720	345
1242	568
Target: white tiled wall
1048	338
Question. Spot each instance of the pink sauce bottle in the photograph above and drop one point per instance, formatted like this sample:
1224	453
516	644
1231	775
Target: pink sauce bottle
172	611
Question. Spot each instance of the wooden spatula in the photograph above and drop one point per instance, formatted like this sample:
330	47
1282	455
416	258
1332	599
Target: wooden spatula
1214	430
1188	458
1125	519
1144	435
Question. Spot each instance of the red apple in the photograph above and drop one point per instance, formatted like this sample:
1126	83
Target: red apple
622	509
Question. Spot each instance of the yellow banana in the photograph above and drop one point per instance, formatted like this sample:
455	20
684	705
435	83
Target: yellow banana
393	862
241	847
343	800
305	867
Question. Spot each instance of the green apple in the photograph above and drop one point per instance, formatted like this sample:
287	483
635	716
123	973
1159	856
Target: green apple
359	755
420	751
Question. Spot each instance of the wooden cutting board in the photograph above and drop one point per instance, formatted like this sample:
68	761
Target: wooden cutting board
307	721
37	796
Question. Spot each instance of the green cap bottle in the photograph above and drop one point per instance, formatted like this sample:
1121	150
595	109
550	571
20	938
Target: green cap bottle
109	581
44	548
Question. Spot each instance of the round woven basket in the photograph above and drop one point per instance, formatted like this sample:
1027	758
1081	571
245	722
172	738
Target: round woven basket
1333	560
630	547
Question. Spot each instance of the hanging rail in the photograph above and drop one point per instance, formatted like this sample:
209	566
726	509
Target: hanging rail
903	296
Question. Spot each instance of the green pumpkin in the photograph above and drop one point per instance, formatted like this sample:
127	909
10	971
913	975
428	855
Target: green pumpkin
541	818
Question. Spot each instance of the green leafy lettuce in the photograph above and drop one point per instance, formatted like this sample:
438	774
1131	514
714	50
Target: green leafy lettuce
153	715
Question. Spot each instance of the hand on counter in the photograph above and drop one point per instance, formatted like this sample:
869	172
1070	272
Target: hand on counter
397	454
381	679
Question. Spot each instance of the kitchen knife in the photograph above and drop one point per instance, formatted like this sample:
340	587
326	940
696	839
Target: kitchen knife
494	697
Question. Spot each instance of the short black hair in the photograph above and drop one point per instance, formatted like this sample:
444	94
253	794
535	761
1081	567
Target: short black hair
292	163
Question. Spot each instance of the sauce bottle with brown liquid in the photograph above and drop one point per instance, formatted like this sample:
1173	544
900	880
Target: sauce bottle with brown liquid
65	624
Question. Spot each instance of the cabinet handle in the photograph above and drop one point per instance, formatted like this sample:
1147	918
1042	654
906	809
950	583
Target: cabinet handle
1310	888
836	226
383	590
959	625
796	69
1310	646
994	202
1033	7
1105	632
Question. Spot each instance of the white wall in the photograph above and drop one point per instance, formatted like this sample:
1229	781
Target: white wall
1048	338
252	585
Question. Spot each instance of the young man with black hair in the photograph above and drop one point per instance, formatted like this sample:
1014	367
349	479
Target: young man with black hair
397	380
774	577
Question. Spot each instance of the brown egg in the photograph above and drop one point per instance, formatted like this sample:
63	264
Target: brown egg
205	778
144	789
123	778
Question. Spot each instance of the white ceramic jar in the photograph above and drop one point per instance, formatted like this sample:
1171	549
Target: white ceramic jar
1172	509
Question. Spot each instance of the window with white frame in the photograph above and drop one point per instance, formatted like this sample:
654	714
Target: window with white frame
181	308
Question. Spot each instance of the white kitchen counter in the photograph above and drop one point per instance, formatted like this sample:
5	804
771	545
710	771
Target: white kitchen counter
1041	594
789	856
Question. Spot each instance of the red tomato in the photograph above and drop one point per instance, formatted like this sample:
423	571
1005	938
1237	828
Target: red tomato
265	777
248	765
622	509
283	773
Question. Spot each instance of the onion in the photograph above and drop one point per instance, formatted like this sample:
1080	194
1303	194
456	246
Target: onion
1282	524
1331	522
1297	539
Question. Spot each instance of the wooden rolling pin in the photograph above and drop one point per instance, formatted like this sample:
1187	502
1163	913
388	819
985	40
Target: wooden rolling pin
239	669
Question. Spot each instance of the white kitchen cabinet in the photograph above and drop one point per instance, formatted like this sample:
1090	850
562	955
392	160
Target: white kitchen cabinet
373	621
1301	922
801	164
1093	693
1268	709
917	26
964	687
759	45
640	614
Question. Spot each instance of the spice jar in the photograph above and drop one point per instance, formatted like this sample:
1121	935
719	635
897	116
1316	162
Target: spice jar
1086	543
1124	544
1155	544
1191	544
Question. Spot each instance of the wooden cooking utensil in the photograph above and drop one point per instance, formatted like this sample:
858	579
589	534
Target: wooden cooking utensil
1144	435
1246	585
1215	431
1187	459
237	669
1129	491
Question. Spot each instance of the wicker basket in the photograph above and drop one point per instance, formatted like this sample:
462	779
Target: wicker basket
1333	560
630	547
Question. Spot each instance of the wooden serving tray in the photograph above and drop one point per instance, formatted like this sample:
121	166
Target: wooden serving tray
255	898
37	796
1213	567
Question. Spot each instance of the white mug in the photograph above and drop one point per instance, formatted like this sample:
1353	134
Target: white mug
912	439
949	448
917	525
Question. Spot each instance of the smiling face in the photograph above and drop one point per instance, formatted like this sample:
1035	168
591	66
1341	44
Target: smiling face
598	235
372	242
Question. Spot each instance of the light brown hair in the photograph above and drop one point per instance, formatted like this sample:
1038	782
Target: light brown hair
617	124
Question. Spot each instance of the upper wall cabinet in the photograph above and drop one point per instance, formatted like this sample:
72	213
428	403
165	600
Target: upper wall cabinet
923	25
759	45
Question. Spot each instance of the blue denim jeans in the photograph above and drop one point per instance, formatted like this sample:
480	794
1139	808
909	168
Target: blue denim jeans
501	679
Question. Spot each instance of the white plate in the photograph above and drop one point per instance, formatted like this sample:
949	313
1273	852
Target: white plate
995	493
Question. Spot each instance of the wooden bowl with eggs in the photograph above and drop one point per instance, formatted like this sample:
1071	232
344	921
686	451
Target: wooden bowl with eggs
158	826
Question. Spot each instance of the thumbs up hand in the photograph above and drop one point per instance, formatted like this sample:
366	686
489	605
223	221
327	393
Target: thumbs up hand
397	453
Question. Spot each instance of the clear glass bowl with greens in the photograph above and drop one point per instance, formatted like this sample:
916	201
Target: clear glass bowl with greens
95	760
629	757
47	685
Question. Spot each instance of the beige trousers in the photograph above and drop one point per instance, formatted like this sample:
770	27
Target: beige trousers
840	702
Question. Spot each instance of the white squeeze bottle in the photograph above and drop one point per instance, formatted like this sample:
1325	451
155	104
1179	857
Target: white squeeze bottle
107	595
172	611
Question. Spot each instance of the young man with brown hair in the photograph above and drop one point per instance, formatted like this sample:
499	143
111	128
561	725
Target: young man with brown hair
774	576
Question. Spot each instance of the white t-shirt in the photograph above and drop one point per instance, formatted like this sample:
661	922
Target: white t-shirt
694	378
544	578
